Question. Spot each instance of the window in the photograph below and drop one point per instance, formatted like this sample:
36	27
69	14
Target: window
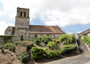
24	14
20	14
35	35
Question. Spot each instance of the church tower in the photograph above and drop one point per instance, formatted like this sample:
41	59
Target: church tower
22	21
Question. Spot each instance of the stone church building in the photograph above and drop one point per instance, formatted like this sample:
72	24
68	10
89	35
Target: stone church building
22	27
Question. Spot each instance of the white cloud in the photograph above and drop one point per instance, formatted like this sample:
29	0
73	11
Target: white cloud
3	26
52	12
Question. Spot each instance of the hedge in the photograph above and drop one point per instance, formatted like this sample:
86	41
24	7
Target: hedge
52	45
68	48
67	39
37	53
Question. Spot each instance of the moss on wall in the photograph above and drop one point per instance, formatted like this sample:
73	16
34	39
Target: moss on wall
6	38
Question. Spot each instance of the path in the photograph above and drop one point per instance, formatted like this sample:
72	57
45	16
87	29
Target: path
81	59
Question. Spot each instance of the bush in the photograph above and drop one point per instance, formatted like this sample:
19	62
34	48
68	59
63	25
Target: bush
46	39
9	46
40	38
24	57
53	53
21	38
56	41
67	39
18	43
68	48
36	41
37	53
52	45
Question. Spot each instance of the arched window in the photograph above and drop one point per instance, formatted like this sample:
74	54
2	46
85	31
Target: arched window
24	14
35	35
20	14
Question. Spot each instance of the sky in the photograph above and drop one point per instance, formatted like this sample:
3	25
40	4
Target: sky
72	16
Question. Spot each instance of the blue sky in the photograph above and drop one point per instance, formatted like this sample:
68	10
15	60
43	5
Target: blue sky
72	16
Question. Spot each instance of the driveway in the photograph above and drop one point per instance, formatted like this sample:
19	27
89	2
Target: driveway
80	59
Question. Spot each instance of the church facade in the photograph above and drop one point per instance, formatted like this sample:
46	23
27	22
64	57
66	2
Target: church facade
22	27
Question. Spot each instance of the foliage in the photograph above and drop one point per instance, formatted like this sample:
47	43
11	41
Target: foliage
18	43
86	39
9	46
53	53
46	39
40	38
67	39
52	45
6	38
37	53
56	40
68	48
21	38
36	41
24	57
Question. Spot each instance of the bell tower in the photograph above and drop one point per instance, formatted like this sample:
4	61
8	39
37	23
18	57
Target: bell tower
21	21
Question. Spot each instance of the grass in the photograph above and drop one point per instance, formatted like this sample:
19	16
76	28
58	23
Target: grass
86	39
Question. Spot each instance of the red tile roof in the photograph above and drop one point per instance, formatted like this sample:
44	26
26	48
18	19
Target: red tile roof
40	29
45	29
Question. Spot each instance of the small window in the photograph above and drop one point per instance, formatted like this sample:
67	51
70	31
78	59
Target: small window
35	35
24	14
20	14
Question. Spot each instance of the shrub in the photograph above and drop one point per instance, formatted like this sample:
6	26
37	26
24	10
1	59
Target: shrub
49	38
9	46
67	39
37	53
24	57
46	39
68	48
56	41
36	41
52	53
52	45
21	38
40	38
18	43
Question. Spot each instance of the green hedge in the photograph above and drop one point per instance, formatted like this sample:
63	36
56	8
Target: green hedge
6	38
46	39
36	41
9	46
53	53
68	48
67	39
24	57
37	53
52	45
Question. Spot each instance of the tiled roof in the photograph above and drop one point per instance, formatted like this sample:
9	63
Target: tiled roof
84	32
40	29
44	29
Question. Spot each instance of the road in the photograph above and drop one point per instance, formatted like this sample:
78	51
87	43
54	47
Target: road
80	59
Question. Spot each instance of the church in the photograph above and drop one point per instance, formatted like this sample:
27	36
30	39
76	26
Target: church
22	27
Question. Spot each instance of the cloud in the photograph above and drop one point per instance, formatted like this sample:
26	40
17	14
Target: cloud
52	12
3	26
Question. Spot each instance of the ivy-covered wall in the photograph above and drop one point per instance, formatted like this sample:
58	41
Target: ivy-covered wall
5	39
